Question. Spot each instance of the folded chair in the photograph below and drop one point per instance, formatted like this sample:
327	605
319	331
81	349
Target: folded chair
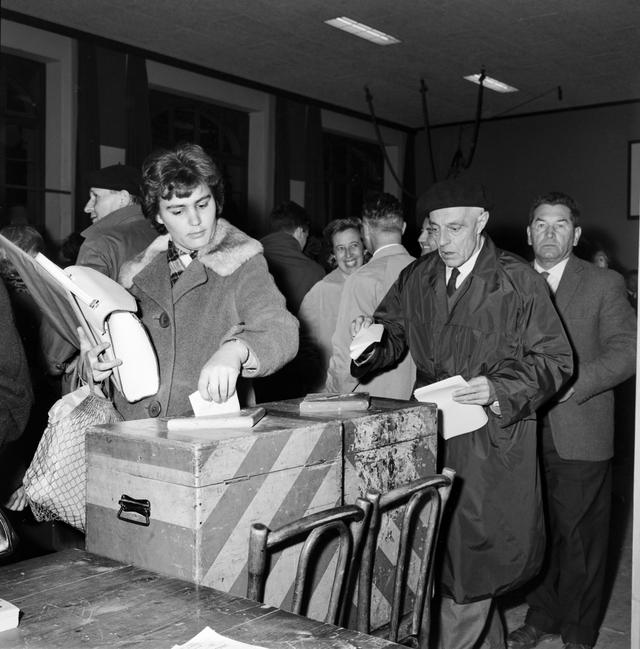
421	505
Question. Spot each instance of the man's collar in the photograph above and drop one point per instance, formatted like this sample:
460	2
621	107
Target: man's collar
555	271
114	219
467	267
385	247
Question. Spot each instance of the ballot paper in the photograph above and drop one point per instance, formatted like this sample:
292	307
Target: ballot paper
209	639
364	338
456	418
203	408
9	615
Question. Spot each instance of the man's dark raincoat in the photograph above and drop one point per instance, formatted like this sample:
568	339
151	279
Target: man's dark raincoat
502	325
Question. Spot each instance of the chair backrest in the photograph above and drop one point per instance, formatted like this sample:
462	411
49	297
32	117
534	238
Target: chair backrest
423	501
349	524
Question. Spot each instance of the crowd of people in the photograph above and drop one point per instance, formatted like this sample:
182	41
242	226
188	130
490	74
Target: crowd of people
541	345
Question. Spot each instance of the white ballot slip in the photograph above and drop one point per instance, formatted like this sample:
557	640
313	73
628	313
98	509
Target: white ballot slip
9	615
209	639
365	337
203	408
457	418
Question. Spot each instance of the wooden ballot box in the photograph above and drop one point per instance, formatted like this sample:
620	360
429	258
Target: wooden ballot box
181	502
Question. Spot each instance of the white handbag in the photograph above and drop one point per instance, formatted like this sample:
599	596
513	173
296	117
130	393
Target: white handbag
106	311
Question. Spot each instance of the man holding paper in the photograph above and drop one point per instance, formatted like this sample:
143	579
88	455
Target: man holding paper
383	226
482	313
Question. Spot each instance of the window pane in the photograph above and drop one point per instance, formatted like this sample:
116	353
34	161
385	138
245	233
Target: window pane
22	107
353	168
222	132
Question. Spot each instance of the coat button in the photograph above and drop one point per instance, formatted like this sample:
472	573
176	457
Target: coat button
164	320
154	408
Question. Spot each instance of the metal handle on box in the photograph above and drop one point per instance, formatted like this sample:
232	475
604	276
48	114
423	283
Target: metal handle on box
134	510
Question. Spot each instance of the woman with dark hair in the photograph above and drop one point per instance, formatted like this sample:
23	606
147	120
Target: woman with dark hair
319	309
205	295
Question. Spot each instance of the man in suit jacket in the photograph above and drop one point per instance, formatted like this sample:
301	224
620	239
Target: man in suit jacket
577	430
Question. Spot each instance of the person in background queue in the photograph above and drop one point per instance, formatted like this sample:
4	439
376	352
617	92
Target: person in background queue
118	230
211	308
293	272
427	239
576	430
480	312
383	227
319	309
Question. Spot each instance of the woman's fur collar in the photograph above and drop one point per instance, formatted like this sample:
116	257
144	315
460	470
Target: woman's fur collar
227	251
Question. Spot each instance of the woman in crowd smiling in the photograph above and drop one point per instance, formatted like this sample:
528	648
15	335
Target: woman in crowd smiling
319	309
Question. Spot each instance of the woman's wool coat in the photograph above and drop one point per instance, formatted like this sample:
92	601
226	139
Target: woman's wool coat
225	293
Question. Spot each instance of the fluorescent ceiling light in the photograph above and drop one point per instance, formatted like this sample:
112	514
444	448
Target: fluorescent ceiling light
363	31
492	84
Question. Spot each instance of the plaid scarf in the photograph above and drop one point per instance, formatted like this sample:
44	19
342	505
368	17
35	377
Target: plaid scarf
176	265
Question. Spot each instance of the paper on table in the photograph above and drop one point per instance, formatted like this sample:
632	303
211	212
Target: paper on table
9	615
457	418
202	408
209	639
365	337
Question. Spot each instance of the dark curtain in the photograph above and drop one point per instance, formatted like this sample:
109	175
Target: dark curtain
282	165
88	130
298	155
138	117
409	181
314	169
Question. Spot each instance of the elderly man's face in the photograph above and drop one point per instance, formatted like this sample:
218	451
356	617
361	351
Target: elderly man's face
552	234
457	232
102	202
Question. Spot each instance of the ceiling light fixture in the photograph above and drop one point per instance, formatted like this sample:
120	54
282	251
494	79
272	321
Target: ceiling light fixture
492	84
362	31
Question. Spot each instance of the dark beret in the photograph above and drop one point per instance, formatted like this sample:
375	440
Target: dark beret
116	177
454	192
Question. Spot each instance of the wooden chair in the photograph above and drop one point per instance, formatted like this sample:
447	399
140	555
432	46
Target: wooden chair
427	495
348	524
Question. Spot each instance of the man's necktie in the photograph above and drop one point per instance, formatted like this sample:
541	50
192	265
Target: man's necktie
451	284
545	274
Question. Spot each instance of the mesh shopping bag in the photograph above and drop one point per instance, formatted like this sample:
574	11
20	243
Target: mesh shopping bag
55	482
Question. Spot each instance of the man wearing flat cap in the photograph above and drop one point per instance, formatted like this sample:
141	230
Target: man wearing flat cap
483	313
119	230
118	233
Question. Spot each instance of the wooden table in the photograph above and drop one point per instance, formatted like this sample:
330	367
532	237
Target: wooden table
76	599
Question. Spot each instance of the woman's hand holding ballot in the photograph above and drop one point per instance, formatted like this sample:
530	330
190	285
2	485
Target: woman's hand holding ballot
218	377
